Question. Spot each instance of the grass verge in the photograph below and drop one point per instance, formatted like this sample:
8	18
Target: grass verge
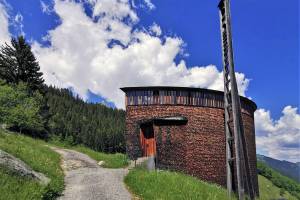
116	160
171	185
166	185
40	158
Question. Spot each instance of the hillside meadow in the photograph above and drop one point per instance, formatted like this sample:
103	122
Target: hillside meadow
164	184
37	154
140	182
40	158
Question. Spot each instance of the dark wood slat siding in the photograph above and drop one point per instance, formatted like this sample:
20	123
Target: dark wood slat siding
179	97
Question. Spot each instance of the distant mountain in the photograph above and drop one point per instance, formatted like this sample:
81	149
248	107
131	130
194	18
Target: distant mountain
286	168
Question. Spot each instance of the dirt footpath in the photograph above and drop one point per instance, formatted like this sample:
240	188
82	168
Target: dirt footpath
86	180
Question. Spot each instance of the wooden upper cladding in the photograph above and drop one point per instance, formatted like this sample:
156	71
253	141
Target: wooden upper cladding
165	95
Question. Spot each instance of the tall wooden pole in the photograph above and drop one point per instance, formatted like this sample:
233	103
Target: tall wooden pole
227	111
232	109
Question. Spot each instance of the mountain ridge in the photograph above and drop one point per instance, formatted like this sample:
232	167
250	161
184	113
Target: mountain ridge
289	169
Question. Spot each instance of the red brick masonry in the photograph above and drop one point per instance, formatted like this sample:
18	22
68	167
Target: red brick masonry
197	147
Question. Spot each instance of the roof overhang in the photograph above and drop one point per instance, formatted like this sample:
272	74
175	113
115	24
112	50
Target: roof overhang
176	88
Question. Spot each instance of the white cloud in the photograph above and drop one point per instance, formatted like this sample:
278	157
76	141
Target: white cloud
45	8
149	4
279	138
19	18
133	4
108	53
114	9
155	29
105	52
18	23
4	23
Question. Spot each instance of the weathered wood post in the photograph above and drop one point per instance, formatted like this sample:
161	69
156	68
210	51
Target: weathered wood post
232	109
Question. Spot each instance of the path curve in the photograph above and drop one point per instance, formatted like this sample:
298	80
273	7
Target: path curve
86	180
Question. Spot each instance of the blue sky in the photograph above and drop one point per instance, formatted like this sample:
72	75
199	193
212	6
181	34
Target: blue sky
265	39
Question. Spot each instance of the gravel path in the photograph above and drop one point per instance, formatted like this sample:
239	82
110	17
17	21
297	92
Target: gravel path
86	180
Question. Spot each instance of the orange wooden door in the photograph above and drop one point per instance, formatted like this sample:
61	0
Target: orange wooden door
150	147
147	140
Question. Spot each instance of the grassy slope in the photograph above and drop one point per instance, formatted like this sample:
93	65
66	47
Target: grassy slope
171	185
167	185
269	191
40	158
279	180
148	185
14	187
116	160
37	154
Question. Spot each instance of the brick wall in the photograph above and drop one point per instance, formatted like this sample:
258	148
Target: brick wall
196	148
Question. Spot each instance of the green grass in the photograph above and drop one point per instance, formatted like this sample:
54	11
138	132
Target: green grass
116	160
37	154
171	185
166	185
163	185
279	180
14	187
269	191
40	158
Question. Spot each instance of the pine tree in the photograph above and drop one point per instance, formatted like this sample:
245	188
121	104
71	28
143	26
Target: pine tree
18	64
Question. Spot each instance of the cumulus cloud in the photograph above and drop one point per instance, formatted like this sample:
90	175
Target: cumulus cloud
105	52
113	9
279	138
4	23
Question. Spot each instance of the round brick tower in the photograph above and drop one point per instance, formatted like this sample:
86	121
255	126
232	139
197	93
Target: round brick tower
184	129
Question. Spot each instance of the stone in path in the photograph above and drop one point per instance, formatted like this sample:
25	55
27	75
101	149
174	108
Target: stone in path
86	180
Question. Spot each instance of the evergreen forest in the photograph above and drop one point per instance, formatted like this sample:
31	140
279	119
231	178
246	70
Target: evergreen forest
28	106
77	122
